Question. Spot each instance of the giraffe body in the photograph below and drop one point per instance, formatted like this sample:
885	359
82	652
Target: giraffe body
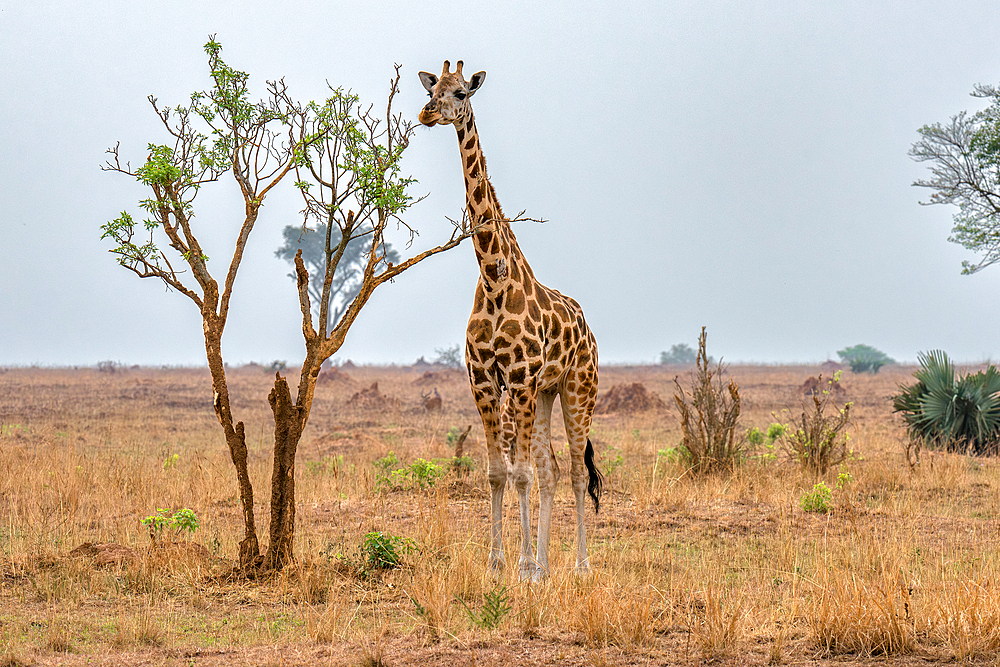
523	338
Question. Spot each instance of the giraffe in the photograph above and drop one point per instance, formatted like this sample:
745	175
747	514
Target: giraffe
523	338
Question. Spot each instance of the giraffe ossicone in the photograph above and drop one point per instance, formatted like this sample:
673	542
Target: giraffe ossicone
523	338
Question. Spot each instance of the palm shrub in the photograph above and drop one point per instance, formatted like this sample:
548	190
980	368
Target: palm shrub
951	412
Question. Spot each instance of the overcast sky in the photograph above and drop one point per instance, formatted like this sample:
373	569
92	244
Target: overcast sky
738	165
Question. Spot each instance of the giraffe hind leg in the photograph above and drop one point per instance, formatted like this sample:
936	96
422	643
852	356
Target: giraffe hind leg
547	474
584	475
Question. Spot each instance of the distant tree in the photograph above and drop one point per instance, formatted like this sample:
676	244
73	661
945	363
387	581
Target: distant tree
964	157
346	162
449	356
349	275
864	358
679	354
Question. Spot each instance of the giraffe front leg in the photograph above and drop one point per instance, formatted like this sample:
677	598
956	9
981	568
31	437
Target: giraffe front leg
523	405
497	473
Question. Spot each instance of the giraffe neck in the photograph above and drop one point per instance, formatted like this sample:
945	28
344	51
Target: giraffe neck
500	258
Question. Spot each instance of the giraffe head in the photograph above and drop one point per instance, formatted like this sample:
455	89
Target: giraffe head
449	95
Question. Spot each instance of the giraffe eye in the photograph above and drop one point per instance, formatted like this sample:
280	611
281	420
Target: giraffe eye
460	95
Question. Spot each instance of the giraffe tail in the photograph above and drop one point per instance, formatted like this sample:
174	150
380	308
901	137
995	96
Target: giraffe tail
596	483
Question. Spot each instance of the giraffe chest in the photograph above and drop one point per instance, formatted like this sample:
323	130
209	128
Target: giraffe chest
512	340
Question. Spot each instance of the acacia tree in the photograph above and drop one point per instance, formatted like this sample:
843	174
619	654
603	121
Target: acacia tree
964	157
349	276
346	160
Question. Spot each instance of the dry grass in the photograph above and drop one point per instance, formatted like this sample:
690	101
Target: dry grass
686	569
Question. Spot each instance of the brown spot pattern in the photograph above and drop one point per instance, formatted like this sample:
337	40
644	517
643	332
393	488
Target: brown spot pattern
524	335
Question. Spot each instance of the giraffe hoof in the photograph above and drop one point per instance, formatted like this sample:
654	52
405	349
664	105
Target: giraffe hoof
532	573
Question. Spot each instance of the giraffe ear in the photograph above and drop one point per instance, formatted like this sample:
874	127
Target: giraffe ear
476	81
429	81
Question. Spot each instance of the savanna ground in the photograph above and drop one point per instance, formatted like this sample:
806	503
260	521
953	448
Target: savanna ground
904	569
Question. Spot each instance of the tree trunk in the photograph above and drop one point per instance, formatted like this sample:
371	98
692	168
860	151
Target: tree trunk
236	440
288	425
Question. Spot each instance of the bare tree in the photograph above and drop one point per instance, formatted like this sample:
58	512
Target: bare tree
346	161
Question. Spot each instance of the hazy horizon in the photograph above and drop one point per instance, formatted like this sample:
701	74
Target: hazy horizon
737	166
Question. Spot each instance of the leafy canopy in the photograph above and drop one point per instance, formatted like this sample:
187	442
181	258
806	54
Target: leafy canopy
964	158
864	358
678	354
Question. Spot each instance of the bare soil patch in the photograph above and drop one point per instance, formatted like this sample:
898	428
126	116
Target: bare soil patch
627	398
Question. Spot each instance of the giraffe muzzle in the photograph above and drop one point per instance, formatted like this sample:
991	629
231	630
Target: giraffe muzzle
429	116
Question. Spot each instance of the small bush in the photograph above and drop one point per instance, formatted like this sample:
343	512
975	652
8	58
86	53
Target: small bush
710	413
819	500
421	474
764	441
183	520
496	606
377	552
382	551
818	441
463	465
109	366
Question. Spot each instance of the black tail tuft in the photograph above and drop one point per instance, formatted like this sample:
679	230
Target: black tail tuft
596	483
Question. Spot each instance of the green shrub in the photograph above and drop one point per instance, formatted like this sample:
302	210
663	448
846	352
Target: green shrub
613	460
463	465
454	433
382	551
421	474
496	605
819	500
181	521
378	551
775	431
